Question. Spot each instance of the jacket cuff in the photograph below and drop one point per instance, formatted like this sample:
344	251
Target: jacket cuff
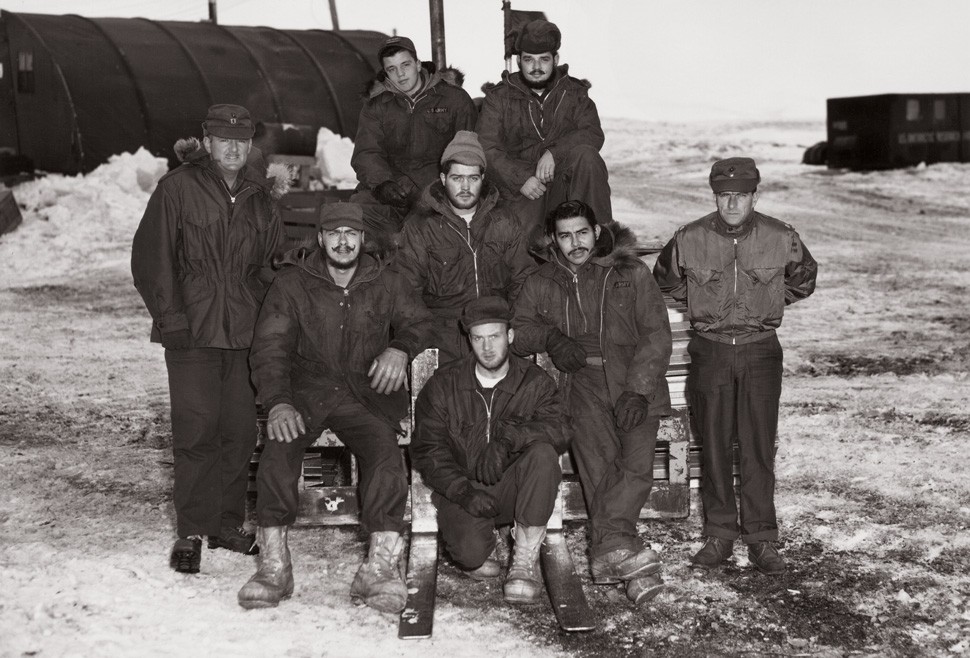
400	345
282	398
453	491
173	322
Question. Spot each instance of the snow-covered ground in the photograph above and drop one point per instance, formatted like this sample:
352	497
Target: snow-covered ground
873	497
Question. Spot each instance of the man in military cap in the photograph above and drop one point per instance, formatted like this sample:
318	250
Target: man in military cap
737	269
542	134
461	243
323	357
410	115
489	429
201	259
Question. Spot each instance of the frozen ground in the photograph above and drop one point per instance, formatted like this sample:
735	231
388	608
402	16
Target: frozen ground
873	496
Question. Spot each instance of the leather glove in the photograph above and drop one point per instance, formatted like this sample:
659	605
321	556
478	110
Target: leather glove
630	411
567	355
477	502
493	461
180	339
390	194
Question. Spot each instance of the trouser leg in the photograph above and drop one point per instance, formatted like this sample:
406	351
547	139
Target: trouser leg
383	477
712	398
531	213
237	430
278	479
759	392
582	176
194	380
526	494
450	340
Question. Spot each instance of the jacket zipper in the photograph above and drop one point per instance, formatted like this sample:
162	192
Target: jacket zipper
602	311
579	303
467	241
488	416
734	337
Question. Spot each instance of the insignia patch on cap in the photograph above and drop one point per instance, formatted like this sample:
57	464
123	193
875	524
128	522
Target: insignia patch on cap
233	119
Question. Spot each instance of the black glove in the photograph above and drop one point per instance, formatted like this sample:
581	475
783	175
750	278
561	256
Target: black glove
630	410
180	339
567	355
477	502
494	460
390	194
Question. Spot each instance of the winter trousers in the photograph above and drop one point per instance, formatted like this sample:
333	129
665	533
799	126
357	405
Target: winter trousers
526	494
213	437
581	176
615	467
734	392
383	479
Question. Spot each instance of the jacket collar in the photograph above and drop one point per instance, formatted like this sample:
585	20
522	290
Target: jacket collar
467	381
515	81
433	198
314	263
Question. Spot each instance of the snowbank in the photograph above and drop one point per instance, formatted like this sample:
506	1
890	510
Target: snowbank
333	160
78	223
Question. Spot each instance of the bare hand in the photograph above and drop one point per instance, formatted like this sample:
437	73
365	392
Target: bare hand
388	371
546	169
532	188
285	423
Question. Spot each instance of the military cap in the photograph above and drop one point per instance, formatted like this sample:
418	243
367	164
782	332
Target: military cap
229	122
484	310
396	42
335	215
734	175
538	36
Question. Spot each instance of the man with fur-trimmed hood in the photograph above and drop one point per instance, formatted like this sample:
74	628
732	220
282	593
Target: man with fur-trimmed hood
202	260
460	244
409	116
542	134
595	308
324	357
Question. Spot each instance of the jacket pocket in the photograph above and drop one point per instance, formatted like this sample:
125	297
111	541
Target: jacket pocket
438	119
766	300
443	271
704	293
621	315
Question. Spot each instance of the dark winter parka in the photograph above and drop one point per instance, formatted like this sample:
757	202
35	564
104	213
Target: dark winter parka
450	264
454	422
736	280
516	126
402	139
635	338
315	338
202	258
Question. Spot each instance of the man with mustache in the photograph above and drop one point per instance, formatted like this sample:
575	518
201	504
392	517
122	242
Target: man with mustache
410	115
542	134
461	243
489	429
597	311
737	270
324	357
202	260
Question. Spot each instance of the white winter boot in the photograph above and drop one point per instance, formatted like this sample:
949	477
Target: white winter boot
273	580
380	582
523	584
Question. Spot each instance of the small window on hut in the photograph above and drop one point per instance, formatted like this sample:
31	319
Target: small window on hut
25	71
912	109
939	110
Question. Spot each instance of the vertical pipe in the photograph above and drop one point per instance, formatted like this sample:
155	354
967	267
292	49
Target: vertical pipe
213	17
334	21
438	33
507	15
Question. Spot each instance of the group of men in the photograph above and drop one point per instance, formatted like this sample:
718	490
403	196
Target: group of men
509	252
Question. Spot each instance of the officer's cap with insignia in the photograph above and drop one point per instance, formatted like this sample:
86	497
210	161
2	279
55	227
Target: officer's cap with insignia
229	122
734	175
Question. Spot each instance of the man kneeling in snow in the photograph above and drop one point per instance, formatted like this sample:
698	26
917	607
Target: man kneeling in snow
489	429
323	358
201	259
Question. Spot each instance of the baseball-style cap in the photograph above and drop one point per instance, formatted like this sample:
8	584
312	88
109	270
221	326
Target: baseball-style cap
229	122
396	42
734	175
464	148
335	215
484	310
538	36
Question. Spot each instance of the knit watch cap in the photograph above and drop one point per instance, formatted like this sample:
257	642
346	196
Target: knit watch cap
465	149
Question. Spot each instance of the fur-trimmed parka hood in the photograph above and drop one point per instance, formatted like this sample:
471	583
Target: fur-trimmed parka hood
276	181
379	84
615	247
514	79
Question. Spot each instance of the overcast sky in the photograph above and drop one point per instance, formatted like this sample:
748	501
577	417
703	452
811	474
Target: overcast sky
666	60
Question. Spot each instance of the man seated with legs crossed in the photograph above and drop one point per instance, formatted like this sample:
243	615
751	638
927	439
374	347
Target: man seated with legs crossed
489	430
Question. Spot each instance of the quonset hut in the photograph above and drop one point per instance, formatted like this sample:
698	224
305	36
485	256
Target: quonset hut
75	90
898	130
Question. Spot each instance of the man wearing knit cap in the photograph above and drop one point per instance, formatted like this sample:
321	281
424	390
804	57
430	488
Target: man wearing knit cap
461	243
542	134
489	429
324	357
202	261
737	269
410	115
